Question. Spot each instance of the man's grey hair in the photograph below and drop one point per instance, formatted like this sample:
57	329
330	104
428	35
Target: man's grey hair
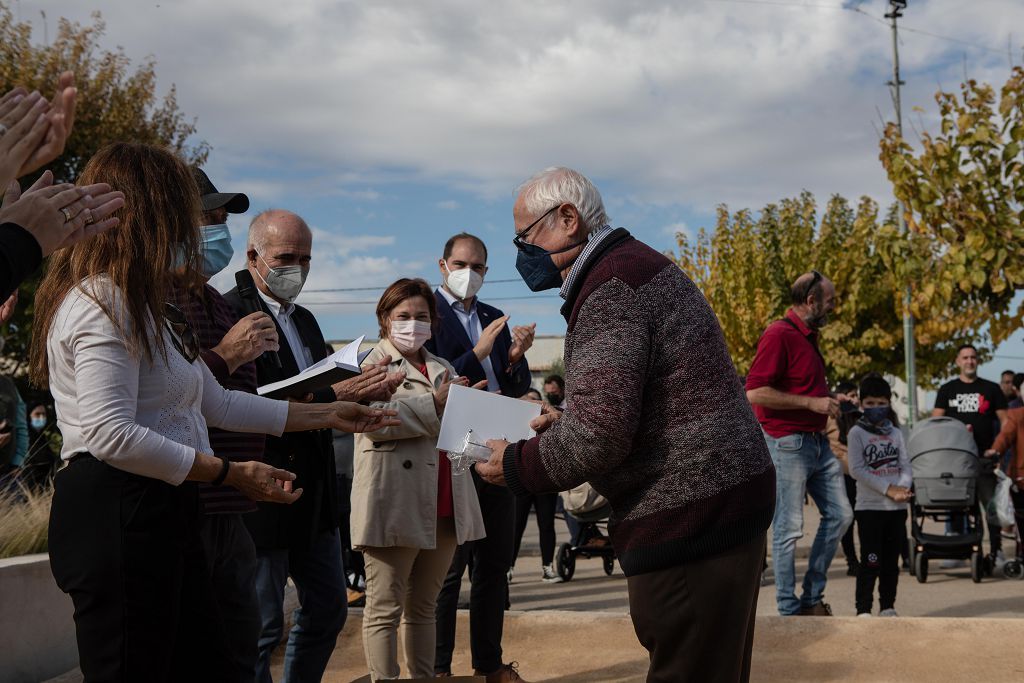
258	228
560	185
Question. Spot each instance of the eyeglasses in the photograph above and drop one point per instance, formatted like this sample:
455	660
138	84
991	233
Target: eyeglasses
182	334
518	239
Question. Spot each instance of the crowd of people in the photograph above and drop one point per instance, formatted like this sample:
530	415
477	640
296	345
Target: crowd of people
184	501
844	448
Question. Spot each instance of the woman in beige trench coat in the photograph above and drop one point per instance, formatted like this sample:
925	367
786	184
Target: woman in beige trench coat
409	512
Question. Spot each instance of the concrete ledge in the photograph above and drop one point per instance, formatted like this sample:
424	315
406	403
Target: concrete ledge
36	626
577	647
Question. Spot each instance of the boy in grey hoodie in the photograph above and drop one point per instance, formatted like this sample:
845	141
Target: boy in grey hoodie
880	465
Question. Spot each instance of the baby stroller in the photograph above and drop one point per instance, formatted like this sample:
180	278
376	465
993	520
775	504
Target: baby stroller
944	462
589	509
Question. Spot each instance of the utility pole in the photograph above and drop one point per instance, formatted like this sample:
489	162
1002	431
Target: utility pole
909	356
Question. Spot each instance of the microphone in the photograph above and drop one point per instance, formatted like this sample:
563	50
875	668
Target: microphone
251	304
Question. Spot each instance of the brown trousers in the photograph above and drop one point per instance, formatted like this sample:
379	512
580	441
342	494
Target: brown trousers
697	619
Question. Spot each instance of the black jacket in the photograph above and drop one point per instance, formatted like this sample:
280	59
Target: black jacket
310	455
451	342
19	257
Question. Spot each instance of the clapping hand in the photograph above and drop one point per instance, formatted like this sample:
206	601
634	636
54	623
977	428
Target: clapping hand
488	336
441	394
33	131
374	383
522	340
60	215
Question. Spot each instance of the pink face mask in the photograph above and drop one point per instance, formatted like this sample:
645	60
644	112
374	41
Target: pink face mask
409	335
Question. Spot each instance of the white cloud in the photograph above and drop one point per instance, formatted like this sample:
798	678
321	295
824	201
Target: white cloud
671	230
694	103
447	205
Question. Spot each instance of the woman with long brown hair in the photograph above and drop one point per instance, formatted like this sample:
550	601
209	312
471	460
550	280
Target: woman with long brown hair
133	404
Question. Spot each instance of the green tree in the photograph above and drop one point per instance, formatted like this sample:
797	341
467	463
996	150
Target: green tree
964	191
116	102
745	268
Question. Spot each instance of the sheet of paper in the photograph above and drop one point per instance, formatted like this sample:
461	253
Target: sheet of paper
490	416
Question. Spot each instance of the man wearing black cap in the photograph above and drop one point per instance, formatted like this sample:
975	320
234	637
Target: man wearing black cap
229	346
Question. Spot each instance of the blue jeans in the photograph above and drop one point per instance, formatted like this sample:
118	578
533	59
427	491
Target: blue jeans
804	463
323	606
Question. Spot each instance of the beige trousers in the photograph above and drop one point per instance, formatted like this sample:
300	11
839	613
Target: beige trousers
402	585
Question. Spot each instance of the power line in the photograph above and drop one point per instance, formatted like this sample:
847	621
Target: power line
383	287
858	10
490	298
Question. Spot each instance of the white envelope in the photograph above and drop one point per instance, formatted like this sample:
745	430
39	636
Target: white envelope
490	416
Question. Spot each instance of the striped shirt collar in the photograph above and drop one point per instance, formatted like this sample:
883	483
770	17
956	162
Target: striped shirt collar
594	240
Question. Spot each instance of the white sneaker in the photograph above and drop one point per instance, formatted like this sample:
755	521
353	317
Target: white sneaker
866	614
550	575
888	613
1000	560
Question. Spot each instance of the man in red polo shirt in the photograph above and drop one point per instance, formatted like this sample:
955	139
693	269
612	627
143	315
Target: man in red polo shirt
787	387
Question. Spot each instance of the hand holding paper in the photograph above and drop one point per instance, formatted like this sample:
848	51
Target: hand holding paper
472	418
493	471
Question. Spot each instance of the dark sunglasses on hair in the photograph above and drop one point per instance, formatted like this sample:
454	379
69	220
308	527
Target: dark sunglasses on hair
182	334
518	239
816	277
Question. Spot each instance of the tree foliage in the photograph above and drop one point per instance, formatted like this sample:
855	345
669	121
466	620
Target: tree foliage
963	191
746	266
116	102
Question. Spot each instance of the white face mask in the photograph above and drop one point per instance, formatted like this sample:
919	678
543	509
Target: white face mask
285	282
463	283
409	335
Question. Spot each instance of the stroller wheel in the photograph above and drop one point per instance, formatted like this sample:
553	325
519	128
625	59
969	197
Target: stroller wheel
1014	569
565	562
609	565
921	567
977	566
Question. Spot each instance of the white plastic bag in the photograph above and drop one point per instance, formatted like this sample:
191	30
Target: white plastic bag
1002	501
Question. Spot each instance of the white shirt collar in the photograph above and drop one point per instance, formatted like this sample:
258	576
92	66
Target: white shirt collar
279	310
453	302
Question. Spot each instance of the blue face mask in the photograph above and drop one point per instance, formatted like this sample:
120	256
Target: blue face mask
38	423
216	248
876	414
537	268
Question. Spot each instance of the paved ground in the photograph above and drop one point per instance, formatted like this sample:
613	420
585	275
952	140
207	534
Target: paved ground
550	638
948	593
570	647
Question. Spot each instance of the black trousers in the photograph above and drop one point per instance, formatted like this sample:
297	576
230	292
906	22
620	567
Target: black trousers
849	550
544	504
882	535
490	559
231	562
127	550
697	619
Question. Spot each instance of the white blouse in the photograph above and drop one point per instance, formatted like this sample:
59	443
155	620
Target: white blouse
145	418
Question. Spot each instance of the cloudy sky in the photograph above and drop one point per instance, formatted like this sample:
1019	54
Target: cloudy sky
390	125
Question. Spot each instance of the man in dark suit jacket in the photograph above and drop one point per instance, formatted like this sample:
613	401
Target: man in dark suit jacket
300	540
475	338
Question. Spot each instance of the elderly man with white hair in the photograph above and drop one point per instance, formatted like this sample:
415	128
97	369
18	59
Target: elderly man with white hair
657	421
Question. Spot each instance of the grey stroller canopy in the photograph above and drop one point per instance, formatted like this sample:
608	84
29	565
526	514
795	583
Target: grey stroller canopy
944	461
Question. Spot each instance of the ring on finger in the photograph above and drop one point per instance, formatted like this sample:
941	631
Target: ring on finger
67	214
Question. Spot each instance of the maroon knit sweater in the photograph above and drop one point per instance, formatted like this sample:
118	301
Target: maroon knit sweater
656	420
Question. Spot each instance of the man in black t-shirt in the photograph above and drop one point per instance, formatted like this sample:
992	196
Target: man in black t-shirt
981	405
